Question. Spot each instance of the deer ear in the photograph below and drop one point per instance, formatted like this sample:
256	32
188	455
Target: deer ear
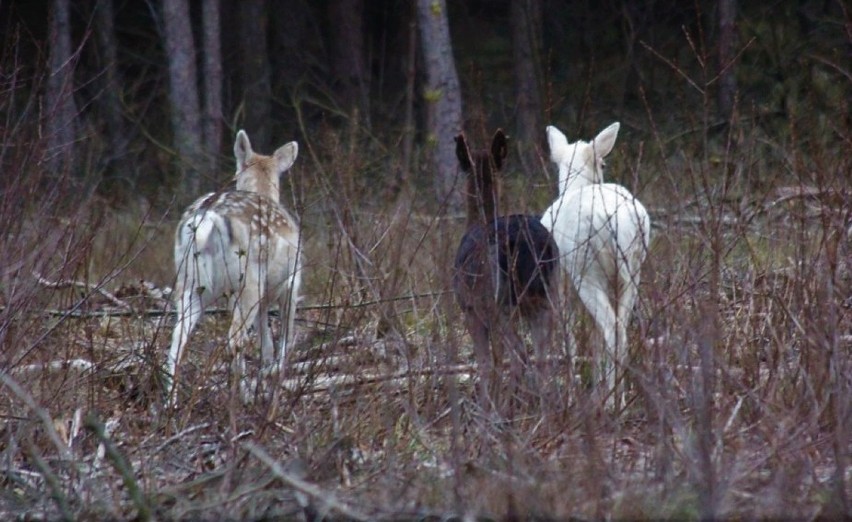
242	149
286	155
557	142
463	153
605	140
499	148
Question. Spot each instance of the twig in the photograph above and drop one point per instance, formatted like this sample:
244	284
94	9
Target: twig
303	486
80	365
42	414
321	384
121	465
158	312
52	481
78	284
785	194
177	436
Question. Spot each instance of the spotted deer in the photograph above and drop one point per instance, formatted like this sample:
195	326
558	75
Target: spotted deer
603	232
504	269
241	245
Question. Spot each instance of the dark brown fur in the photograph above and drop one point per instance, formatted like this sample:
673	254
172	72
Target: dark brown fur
504	267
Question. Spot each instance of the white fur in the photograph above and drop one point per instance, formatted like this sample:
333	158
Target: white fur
244	246
602	232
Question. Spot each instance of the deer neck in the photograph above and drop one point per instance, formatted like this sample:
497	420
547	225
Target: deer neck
260	183
481	195
572	179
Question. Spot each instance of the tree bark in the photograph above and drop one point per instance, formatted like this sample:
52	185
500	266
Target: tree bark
61	116
443	99
348	64
183	95
213	79
117	164
255	72
727	41
526	24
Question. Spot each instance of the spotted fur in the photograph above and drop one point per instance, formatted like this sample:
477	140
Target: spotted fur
243	246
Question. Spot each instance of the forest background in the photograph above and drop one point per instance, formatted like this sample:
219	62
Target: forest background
735	133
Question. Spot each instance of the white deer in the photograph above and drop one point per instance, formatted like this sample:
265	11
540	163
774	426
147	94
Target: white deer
602	232
241	245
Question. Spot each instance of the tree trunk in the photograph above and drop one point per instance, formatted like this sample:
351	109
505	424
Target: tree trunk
443	99
526	23
213	79
727	41
347	55
255	72
117	164
410	93
291	26
61	115
183	95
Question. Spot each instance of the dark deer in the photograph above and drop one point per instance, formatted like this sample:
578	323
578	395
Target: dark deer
505	269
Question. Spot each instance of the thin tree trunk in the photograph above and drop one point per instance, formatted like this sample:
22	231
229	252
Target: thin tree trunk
61	116
410	86
443	99
213	79
526	24
348	55
183	95
255	72
727	41
117	133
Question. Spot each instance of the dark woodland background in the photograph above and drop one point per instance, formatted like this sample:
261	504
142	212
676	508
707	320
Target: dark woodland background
134	100
736	132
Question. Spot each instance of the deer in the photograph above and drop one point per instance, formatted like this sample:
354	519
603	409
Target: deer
241	245
603	233
505	266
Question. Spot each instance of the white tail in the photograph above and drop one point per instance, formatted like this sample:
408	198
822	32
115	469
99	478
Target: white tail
602	232
242	245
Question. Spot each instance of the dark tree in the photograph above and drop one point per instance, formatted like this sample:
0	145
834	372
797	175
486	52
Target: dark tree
348	66
727	41
183	95
255	72
117	134
443	98
212	79
526	24
61	110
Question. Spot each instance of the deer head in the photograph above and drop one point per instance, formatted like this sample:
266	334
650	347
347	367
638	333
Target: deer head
259	173
580	163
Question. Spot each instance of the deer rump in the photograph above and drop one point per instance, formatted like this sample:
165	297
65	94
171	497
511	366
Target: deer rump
213	237
509	263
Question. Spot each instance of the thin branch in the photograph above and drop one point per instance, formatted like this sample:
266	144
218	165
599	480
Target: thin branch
326	498
121	465
42	414
322	384
78	284
80	365
180	435
129	312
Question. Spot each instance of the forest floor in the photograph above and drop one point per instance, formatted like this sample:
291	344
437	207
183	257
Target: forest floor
376	416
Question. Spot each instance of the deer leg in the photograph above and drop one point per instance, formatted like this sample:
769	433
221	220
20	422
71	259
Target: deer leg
287	309
190	307
245	313
598	304
480	334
